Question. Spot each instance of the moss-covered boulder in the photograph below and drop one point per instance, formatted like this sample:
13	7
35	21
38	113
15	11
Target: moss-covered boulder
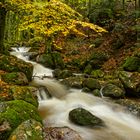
83	117
131	82
132	64
58	61
96	92
15	78
61	133
28	130
46	60
113	91
26	93
13	113
62	74
91	83
52	60
74	82
13	64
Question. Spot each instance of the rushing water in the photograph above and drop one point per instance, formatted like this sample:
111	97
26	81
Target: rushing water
120	125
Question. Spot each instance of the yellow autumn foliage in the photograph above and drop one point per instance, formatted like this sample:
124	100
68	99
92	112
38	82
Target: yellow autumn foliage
49	19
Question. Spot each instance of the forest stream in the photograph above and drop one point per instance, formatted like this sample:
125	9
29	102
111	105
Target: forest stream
119	124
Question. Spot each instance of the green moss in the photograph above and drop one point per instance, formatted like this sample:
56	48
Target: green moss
97	73
15	112
13	64
28	130
132	64
16	78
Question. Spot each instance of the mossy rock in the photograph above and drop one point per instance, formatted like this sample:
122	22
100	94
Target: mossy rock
16	78
96	92
131	82
46	60
58	61
88	69
13	64
91	83
83	117
28	130
61	133
25	93
13	113
132	64
52	60
74	82
97	74
62	74
113	91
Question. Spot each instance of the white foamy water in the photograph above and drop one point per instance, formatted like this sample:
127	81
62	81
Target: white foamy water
119	125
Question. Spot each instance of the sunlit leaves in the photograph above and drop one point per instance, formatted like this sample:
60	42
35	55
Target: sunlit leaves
49	19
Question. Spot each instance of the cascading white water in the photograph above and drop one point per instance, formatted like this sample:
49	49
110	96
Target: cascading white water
120	125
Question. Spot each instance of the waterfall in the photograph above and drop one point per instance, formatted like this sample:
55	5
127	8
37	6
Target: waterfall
119	124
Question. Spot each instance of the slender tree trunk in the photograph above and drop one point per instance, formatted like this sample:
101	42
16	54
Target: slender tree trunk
2	27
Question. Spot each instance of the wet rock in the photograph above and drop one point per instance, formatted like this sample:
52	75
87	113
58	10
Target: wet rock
74	82
28	130
131	105
62	74
132	64
52	60
91	83
96	92
61	133
131	82
13	64
14	113
46	60
113	91
85	89
16	78
83	117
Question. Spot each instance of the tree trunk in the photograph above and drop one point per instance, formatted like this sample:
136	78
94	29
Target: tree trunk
2	27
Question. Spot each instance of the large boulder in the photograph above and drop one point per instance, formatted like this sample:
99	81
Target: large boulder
61	133
83	117
113	91
131	82
132	64
91	83
15	78
14	113
28	130
52	60
26	93
13	64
